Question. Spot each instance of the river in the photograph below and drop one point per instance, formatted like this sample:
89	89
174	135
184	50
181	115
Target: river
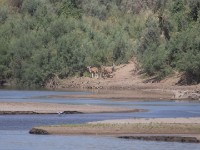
14	128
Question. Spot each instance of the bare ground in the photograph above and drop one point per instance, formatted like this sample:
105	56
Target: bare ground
126	76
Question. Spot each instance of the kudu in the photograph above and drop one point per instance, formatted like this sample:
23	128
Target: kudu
107	71
94	71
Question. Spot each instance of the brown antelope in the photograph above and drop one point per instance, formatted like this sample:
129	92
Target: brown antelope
94	71
107	71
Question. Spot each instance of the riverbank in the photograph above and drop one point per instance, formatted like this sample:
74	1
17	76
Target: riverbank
127	82
147	95
138	95
49	108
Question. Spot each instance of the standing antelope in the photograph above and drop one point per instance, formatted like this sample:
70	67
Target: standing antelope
94	71
107	71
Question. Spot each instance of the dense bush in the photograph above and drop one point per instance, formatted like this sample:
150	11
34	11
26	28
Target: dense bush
171	41
41	39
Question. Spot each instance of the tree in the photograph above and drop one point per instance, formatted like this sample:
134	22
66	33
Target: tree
16	3
194	9
30	6
185	50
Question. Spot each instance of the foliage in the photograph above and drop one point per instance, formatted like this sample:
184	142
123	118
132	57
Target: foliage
185	54
172	42
40	39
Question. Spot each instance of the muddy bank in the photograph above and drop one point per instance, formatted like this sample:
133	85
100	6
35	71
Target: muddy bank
36	113
142	94
18	113
164	138
146	95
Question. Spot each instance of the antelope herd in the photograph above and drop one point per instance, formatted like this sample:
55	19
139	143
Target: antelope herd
101	72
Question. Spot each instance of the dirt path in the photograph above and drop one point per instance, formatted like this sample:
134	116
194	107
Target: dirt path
126	72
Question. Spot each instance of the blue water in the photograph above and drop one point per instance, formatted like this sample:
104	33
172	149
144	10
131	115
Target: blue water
156	109
25	94
21	122
14	128
21	140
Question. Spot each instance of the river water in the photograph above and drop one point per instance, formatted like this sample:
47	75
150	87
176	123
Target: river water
14	128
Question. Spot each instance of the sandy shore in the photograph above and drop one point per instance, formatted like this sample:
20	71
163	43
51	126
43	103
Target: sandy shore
45	108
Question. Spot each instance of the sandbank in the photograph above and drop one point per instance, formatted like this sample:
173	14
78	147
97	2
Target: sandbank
161	129
128	126
50	108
